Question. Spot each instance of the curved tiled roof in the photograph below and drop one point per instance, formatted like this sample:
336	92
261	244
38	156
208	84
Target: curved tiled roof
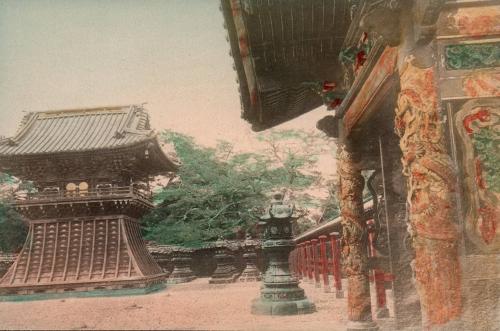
279	48
79	130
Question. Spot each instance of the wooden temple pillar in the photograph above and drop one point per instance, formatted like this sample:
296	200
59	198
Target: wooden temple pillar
315	262
354	239
308	261
324	263
337	277
431	189
300	261
431	181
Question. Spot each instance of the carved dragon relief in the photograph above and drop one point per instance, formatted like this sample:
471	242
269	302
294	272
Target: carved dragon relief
354	235
478	126
431	187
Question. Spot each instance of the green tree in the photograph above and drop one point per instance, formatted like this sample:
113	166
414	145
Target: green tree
13	229
294	155
330	207
218	192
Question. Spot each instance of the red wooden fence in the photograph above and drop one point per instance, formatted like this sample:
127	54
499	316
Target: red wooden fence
317	259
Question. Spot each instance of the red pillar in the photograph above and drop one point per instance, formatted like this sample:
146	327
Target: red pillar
354	239
337	277
315	259
308	261
296	262
378	275
299	261
324	263
304	262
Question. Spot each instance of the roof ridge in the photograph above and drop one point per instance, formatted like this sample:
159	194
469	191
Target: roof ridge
91	129
85	109
78	112
24	126
126	126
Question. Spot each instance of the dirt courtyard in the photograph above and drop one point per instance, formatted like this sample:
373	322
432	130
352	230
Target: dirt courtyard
191	306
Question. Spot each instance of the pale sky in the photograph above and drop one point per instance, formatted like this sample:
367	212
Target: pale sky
172	54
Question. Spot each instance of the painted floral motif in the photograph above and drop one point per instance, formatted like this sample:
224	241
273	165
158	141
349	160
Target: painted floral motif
471	56
482	84
431	187
477	21
478	126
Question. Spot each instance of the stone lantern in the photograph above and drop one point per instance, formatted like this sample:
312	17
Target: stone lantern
182	273
225	272
250	273
280	293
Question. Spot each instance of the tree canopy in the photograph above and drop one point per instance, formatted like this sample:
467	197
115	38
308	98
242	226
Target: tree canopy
220	193
12	228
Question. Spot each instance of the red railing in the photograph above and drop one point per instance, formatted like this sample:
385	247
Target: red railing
317	259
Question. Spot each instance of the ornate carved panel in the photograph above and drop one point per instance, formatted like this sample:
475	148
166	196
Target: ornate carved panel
482	84
375	84
477	127
472	56
470	21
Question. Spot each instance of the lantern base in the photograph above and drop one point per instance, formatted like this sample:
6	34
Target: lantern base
362	326
179	280
382	312
261	307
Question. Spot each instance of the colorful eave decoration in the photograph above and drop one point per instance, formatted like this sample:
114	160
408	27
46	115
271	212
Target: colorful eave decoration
328	92
358	54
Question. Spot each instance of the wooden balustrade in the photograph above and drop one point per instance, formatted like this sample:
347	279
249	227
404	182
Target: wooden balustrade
123	191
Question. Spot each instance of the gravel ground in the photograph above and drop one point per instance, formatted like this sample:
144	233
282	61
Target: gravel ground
192	306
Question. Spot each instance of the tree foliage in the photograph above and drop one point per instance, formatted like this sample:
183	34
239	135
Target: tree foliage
12	228
221	193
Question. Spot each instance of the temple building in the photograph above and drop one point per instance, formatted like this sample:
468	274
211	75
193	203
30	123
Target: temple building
414	91
90	169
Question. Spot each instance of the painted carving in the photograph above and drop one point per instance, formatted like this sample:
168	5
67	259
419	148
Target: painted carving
472	56
431	186
482	84
476	21
356	55
478	126
381	73
354	237
328	91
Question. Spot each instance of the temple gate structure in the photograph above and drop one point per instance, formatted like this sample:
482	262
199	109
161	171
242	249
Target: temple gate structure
90	170
414	90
